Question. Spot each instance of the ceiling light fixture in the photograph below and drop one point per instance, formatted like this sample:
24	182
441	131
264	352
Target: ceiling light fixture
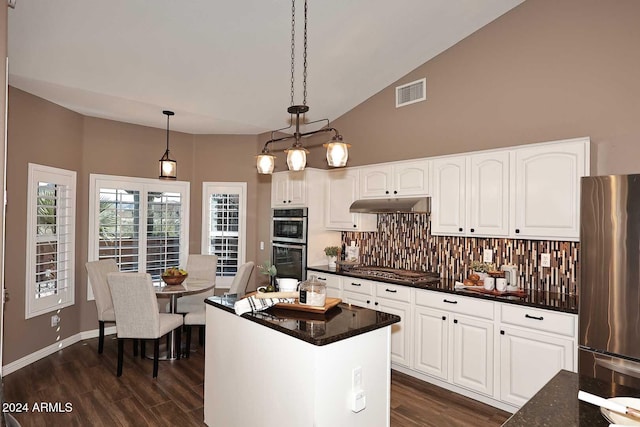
168	166
337	149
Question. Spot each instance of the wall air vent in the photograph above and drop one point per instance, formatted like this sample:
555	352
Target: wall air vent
411	93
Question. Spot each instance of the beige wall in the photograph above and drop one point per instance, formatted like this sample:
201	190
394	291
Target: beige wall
44	133
544	71
3	98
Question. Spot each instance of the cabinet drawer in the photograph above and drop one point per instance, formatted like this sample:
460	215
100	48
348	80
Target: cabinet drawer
542	320
330	280
393	292
455	303
360	286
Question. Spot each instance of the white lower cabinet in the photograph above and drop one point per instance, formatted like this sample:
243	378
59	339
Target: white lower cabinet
472	354
534	346
456	344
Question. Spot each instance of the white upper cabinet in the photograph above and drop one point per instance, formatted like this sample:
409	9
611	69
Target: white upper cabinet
342	191
448	204
524	193
546	197
488	195
288	189
400	179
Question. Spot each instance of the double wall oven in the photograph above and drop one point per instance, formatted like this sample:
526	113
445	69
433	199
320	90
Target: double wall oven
289	242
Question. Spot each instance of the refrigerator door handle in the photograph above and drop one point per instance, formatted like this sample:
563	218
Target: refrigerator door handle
621	366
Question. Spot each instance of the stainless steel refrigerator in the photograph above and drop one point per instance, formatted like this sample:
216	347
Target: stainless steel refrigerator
609	287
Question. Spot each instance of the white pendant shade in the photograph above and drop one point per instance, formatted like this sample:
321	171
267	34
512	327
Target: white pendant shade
337	153
296	158
265	163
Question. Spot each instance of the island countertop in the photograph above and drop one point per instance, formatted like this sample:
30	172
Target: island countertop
533	298
557	404
339	323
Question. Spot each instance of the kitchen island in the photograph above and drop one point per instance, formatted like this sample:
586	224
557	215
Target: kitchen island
282	367
557	404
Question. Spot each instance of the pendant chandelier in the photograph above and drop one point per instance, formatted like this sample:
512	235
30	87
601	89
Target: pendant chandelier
337	149
168	167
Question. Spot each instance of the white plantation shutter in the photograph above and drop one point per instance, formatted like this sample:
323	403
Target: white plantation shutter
142	223
50	239
224	228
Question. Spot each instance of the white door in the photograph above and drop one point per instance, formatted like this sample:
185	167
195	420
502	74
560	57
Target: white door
375	181
400	332
411	178
431	342
473	354
279	194
342	192
448	201
489	194
547	194
528	360
297	189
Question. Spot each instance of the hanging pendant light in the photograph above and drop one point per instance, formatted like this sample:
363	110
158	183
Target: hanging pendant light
337	150
168	166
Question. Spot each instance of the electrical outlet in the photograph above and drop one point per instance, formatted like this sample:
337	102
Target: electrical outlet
55	320
487	255
262	246
545	260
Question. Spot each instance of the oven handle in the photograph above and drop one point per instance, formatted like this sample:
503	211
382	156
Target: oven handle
300	219
285	245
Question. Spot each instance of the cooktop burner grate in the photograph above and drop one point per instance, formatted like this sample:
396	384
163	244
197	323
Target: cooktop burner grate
396	275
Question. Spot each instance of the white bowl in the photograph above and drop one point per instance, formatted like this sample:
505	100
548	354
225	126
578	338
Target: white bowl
287	285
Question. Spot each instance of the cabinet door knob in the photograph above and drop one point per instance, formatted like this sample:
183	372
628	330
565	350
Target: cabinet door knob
376	303
455	320
395	192
444	317
460	229
517	230
368	301
501	332
355	226
386	192
472	230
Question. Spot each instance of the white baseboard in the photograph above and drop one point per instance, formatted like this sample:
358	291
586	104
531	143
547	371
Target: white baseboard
50	349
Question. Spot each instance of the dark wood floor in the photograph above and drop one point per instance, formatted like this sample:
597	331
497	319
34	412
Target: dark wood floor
79	376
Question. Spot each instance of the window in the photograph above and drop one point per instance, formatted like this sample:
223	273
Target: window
142	223
51	210
224	226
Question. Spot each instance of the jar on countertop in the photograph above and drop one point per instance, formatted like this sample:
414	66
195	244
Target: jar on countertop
313	292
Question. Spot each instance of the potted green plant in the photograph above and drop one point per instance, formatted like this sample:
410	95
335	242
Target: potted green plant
270	270
481	268
332	255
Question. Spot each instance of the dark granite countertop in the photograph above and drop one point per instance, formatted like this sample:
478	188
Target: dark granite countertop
536	299
557	404
339	323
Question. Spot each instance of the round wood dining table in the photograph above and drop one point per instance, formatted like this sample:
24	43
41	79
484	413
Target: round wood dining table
188	287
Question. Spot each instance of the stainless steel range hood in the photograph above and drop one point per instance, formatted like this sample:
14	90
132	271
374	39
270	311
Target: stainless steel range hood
416	205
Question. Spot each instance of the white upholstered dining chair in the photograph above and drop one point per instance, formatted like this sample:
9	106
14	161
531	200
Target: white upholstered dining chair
97	271
137	315
241	279
199	267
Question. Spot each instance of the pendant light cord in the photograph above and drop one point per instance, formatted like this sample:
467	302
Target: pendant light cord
293	53
168	132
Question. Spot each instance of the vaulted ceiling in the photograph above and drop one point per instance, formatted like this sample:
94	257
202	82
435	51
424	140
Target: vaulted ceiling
224	66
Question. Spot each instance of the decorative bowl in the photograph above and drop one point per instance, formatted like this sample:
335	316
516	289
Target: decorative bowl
174	280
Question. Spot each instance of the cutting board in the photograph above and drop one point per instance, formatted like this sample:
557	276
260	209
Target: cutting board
329	303
482	290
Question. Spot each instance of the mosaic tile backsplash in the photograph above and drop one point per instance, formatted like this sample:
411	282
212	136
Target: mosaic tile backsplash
405	241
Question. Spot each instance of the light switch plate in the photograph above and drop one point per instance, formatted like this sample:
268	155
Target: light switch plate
487	255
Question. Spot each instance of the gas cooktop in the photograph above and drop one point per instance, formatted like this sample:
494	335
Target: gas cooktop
395	275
